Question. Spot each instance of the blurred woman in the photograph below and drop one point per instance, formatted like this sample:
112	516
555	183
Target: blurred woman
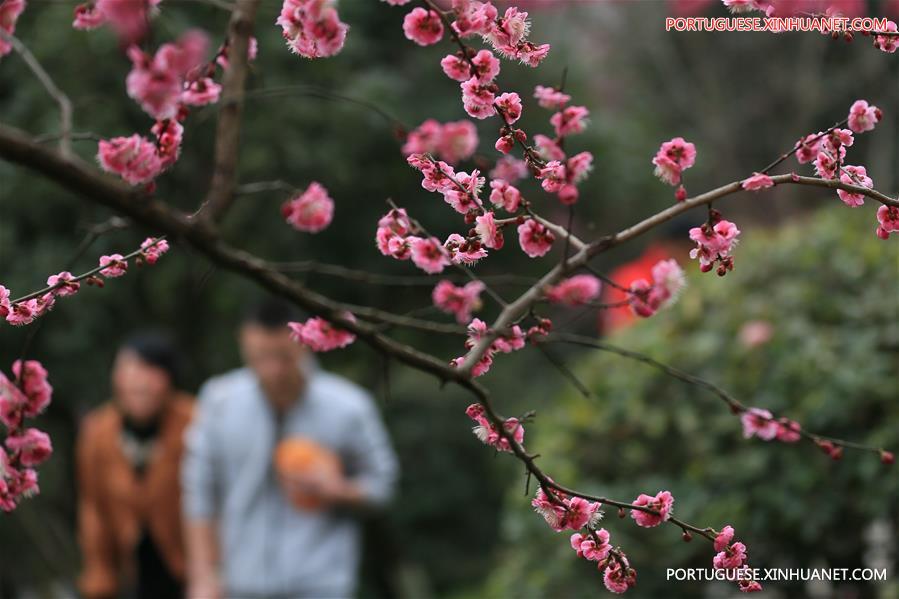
129	455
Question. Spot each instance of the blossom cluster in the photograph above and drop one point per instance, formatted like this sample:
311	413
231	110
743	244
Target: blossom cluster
506	33
715	240
165	85
312	28
590	543
731	555
451	142
25	396
827	151
504	342
646	298
63	284
566	513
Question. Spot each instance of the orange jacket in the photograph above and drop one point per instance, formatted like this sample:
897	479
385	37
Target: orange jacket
115	505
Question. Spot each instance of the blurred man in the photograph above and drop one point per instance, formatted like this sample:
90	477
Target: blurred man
281	460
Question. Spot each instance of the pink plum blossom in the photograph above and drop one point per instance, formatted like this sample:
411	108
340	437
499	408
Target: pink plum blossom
535	239
312	28
863	116
887	43
423	26
858	176
153	248
550	97
114	265
456	67
473	18
200	92
510	104
647	298
724	538
4	301
311	211
661	503
156	82
587	547
133	158
732	557
88	16
509	169
320	335
23	313
458	301
393	228
504	195
169	134
129	19
674	157
487	66
34	385
64	283
714	244
618	578
490	235
478	98
808	147
488	433
464	251
756	182
451	142
759	423
575	291
888	221
548	148
429	255
788	431
570	120
31	445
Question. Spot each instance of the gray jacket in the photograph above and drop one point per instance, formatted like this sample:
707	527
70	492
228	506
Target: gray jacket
269	548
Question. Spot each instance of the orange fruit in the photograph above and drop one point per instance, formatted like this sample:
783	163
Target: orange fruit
297	456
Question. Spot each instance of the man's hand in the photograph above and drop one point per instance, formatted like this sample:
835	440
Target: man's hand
325	486
205	586
202	559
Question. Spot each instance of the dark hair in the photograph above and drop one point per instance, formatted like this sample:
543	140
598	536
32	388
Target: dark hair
270	313
159	350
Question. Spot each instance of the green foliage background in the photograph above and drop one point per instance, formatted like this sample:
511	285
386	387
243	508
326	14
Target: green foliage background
831	364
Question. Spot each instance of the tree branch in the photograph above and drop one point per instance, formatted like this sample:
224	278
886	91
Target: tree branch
227	140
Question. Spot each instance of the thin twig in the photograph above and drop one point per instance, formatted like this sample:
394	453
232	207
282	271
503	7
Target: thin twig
65	105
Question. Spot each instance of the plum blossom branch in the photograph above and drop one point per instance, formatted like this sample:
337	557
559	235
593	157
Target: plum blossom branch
800	143
147	247
365	276
737	407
